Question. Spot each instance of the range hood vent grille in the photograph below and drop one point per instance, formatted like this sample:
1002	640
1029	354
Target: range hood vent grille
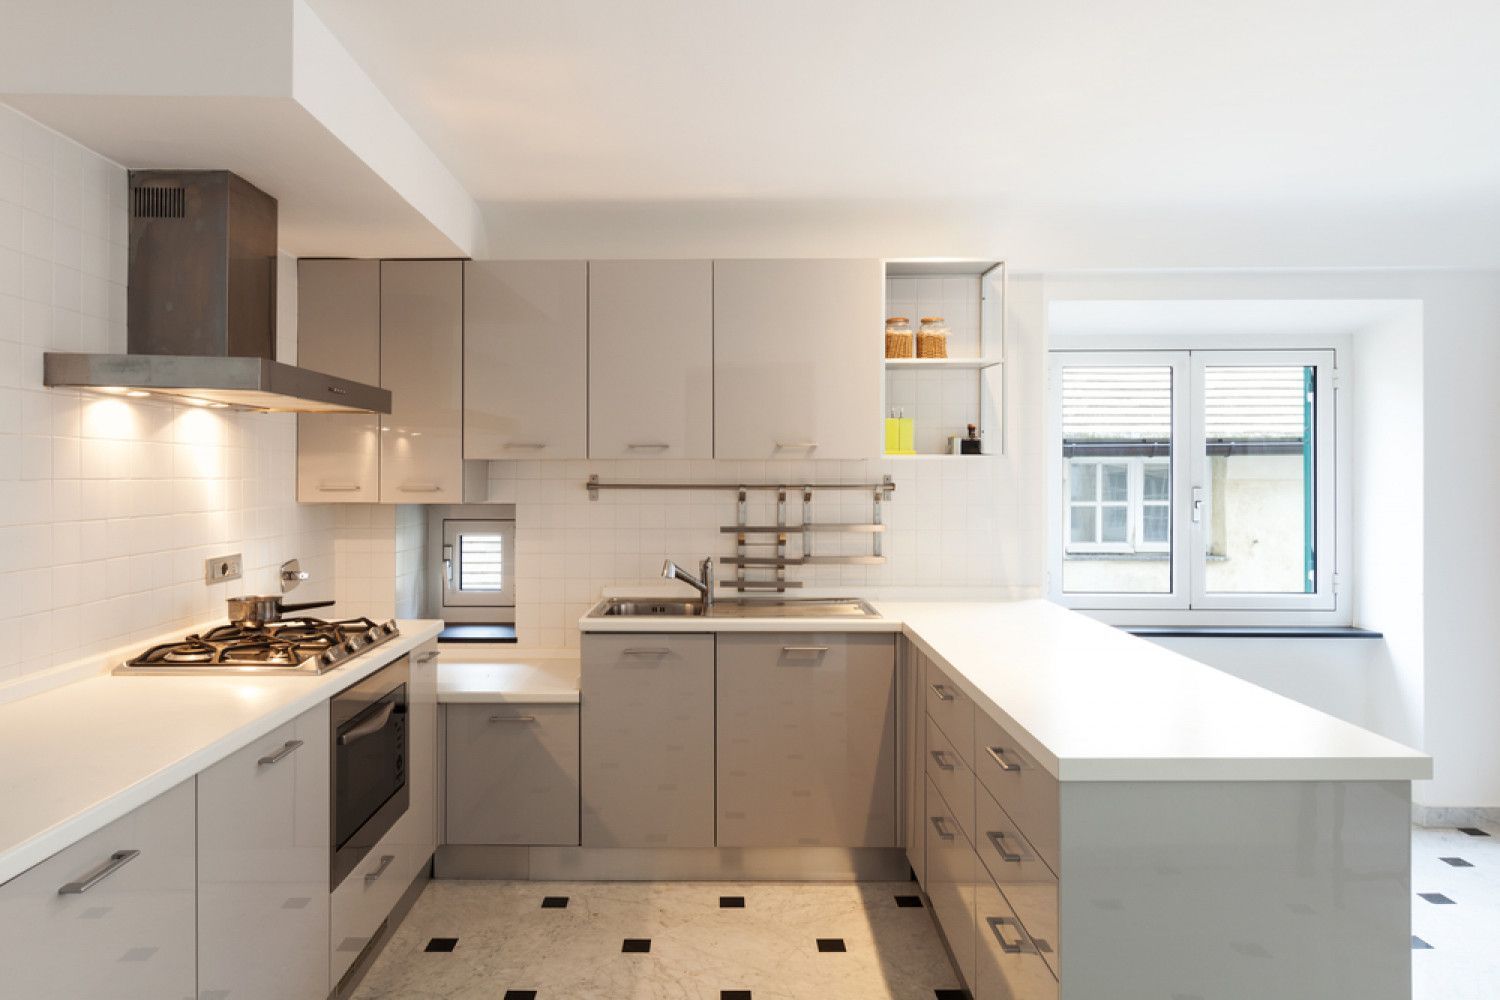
158	203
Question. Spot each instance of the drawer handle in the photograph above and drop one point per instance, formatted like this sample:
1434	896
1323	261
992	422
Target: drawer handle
998	839
796	446
942	692
116	861
804	649
419	488
287	749
647	446
1021	946
512	718
940	824
339	487
528	445
429	656
648	652
943	759
385	862
998	754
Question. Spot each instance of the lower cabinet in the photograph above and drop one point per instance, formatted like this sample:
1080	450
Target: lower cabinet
111	916
512	774
263	841
806	740
646	769
1008	963
952	874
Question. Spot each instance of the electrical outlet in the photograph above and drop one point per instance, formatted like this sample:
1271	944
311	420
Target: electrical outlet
222	568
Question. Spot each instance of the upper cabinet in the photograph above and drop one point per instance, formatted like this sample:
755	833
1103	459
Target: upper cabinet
797	358
421	362
338	333
650	359
525	359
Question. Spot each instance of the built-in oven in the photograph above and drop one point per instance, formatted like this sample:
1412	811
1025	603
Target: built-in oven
369	790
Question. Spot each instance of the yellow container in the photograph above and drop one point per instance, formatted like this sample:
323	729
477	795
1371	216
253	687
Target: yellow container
900	436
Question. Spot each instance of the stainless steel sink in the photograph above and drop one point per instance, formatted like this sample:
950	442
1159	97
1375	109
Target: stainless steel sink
738	607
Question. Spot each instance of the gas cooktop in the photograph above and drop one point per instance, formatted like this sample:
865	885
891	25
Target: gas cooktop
289	646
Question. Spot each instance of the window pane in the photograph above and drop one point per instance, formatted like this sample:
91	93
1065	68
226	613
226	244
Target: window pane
1156	481
1117	416
1082	479
1083	524
481	562
1114	524
1156	523
1258	526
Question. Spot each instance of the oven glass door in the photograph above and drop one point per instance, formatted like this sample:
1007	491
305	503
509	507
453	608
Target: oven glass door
370	752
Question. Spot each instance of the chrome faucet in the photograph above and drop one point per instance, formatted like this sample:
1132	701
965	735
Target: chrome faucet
703	583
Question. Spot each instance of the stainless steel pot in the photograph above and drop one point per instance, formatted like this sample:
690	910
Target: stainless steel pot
253	611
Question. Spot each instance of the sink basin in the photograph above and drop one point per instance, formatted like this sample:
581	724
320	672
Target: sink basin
738	607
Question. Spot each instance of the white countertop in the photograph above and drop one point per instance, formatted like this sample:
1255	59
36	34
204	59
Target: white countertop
1092	703
80	756
499	675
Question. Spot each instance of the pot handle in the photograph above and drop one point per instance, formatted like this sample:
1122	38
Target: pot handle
305	605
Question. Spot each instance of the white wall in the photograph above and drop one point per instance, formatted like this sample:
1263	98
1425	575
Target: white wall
108	506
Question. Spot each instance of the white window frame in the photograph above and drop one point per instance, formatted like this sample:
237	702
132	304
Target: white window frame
1189	601
1135	506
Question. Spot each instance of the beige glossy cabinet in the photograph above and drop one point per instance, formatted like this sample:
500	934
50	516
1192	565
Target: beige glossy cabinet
797	359
338	333
647	740
650	363
806	740
421	363
110	916
263	834
512	774
525	363
952	875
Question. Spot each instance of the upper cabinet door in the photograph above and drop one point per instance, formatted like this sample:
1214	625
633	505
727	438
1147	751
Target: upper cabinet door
651	355
525	359
797	359
338	333
421	354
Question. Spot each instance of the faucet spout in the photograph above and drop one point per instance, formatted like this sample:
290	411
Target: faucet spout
704	583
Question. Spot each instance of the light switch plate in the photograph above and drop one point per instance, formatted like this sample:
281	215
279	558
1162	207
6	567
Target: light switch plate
222	568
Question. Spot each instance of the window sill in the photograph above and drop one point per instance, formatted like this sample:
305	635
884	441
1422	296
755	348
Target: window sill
1250	632
478	633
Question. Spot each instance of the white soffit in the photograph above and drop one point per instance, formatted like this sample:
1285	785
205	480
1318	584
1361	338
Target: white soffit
262	89
1245	321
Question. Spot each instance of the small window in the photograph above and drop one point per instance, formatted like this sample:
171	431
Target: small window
477	560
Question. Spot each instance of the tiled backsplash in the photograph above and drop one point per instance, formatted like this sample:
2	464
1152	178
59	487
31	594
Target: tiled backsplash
108	506
952	523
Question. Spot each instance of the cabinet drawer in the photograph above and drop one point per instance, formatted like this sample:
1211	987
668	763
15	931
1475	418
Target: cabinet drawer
1012	862
951	776
366	897
952	871
128	935
952	710
1027	793
512	774
1008	962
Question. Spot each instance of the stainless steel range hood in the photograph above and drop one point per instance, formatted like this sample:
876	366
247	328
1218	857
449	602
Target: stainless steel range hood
201	316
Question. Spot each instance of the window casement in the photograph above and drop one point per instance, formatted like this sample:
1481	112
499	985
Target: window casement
1200	481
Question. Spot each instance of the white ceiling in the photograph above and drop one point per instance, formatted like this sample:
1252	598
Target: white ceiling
1330	105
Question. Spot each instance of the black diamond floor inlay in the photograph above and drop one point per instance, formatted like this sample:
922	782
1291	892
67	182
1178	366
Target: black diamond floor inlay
554	902
1434	897
636	946
734	995
908	900
831	944
441	944
1472	831
950	994
731	902
1417	944
520	995
1456	862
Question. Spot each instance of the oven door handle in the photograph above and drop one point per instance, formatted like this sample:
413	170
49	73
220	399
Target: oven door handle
369	727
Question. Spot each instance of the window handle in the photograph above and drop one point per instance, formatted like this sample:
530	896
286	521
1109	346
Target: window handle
1198	505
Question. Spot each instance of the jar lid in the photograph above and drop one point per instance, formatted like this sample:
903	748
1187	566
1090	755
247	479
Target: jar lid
898	319
932	319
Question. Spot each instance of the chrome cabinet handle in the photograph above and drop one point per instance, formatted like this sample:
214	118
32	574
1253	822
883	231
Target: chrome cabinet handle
528	445
796	445
339	488
429	656
1005	765
512	718
420	488
941	757
940	824
647	652
370	726
942	692
385	862
287	749
1021	946
116	861
647	446
998	839
804	649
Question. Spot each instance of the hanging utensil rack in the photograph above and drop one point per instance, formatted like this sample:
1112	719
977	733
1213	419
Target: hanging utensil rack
747	535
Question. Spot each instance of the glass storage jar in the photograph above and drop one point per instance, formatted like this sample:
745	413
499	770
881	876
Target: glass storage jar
932	338
899	342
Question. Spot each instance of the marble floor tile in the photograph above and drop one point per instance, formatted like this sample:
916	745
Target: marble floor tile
508	941
1462	962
